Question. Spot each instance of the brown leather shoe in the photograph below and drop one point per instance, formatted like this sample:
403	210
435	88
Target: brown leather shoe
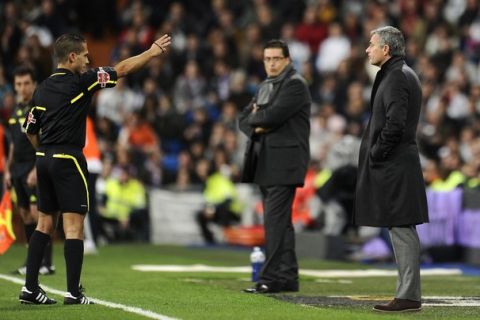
399	305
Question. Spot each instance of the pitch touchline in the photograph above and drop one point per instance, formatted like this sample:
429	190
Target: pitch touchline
113	305
306	272
427	301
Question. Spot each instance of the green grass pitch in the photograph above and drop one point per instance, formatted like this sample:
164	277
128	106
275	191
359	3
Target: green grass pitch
108	276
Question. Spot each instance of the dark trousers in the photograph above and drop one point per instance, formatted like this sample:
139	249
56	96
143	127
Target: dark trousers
281	268
138	227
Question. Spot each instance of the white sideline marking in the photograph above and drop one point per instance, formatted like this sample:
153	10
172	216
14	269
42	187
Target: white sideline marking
113	305
306	272
188	268
340	281
429	301
452	301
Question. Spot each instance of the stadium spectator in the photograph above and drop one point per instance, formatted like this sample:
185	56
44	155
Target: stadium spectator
124	214
116	103
190	89
335	42
311	31
222	205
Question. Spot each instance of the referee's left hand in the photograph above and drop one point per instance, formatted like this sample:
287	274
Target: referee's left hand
160	45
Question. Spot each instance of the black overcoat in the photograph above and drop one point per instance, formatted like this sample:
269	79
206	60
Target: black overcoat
284	152
390	188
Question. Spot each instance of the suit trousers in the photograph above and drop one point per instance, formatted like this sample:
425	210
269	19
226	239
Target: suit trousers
280	269
406	247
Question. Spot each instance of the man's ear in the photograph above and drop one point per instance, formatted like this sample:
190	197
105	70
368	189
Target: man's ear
72	56
386	50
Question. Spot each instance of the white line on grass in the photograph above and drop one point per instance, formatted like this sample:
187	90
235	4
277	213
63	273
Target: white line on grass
113	305
427	301
451	301
306	272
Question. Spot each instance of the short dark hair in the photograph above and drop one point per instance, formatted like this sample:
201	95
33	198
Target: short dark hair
66	44
23	70
280	44
393	38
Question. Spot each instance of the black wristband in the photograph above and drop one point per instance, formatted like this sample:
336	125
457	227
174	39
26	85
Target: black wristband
163	50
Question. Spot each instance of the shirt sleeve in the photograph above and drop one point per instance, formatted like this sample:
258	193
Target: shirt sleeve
98	78
33	120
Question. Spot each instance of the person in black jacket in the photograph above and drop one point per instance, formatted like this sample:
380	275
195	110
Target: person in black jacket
56	127
278	126
390	190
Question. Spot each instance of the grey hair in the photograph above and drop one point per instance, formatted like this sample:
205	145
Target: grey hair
393	38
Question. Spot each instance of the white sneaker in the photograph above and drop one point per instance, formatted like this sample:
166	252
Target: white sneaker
22	270
89	247
46	271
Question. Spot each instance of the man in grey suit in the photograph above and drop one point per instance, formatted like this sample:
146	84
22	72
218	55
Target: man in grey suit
278	126
390	189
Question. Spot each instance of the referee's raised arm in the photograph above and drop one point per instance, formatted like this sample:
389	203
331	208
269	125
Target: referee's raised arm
134	63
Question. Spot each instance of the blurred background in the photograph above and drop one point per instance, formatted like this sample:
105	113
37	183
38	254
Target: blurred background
169	149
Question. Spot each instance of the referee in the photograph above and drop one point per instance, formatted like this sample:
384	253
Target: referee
56	127
20	170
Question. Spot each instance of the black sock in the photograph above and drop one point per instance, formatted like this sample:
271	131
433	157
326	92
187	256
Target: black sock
47	255
73	251
36	247
29	229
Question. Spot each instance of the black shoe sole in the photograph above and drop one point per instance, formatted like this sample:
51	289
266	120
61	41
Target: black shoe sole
30	302
71	302
397	311
26	302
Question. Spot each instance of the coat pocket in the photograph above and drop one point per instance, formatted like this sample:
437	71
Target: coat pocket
283	156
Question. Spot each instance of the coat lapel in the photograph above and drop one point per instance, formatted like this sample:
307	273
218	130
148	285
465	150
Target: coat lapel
376	84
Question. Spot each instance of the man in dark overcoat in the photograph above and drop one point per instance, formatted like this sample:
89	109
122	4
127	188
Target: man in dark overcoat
390	190
278	126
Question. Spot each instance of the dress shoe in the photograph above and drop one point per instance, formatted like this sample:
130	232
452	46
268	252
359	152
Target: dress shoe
290	287
399	305
260	288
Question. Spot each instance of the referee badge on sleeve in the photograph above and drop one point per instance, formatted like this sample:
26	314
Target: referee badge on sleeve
102	77
31	118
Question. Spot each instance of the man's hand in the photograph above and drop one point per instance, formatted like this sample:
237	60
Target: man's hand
7	180
160	45
124	224
255	108
260	130
32	178
132	64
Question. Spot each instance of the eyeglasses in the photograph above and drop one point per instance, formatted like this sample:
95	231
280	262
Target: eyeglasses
272	59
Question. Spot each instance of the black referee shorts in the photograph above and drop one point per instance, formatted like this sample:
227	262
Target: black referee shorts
62	180
26	195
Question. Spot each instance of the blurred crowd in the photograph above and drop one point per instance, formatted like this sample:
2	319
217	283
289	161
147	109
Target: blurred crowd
173	124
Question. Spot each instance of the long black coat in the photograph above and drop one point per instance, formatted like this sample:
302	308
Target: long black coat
390	187
284	150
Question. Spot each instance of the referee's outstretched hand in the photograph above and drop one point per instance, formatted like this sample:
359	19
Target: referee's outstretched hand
129	65
160	45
